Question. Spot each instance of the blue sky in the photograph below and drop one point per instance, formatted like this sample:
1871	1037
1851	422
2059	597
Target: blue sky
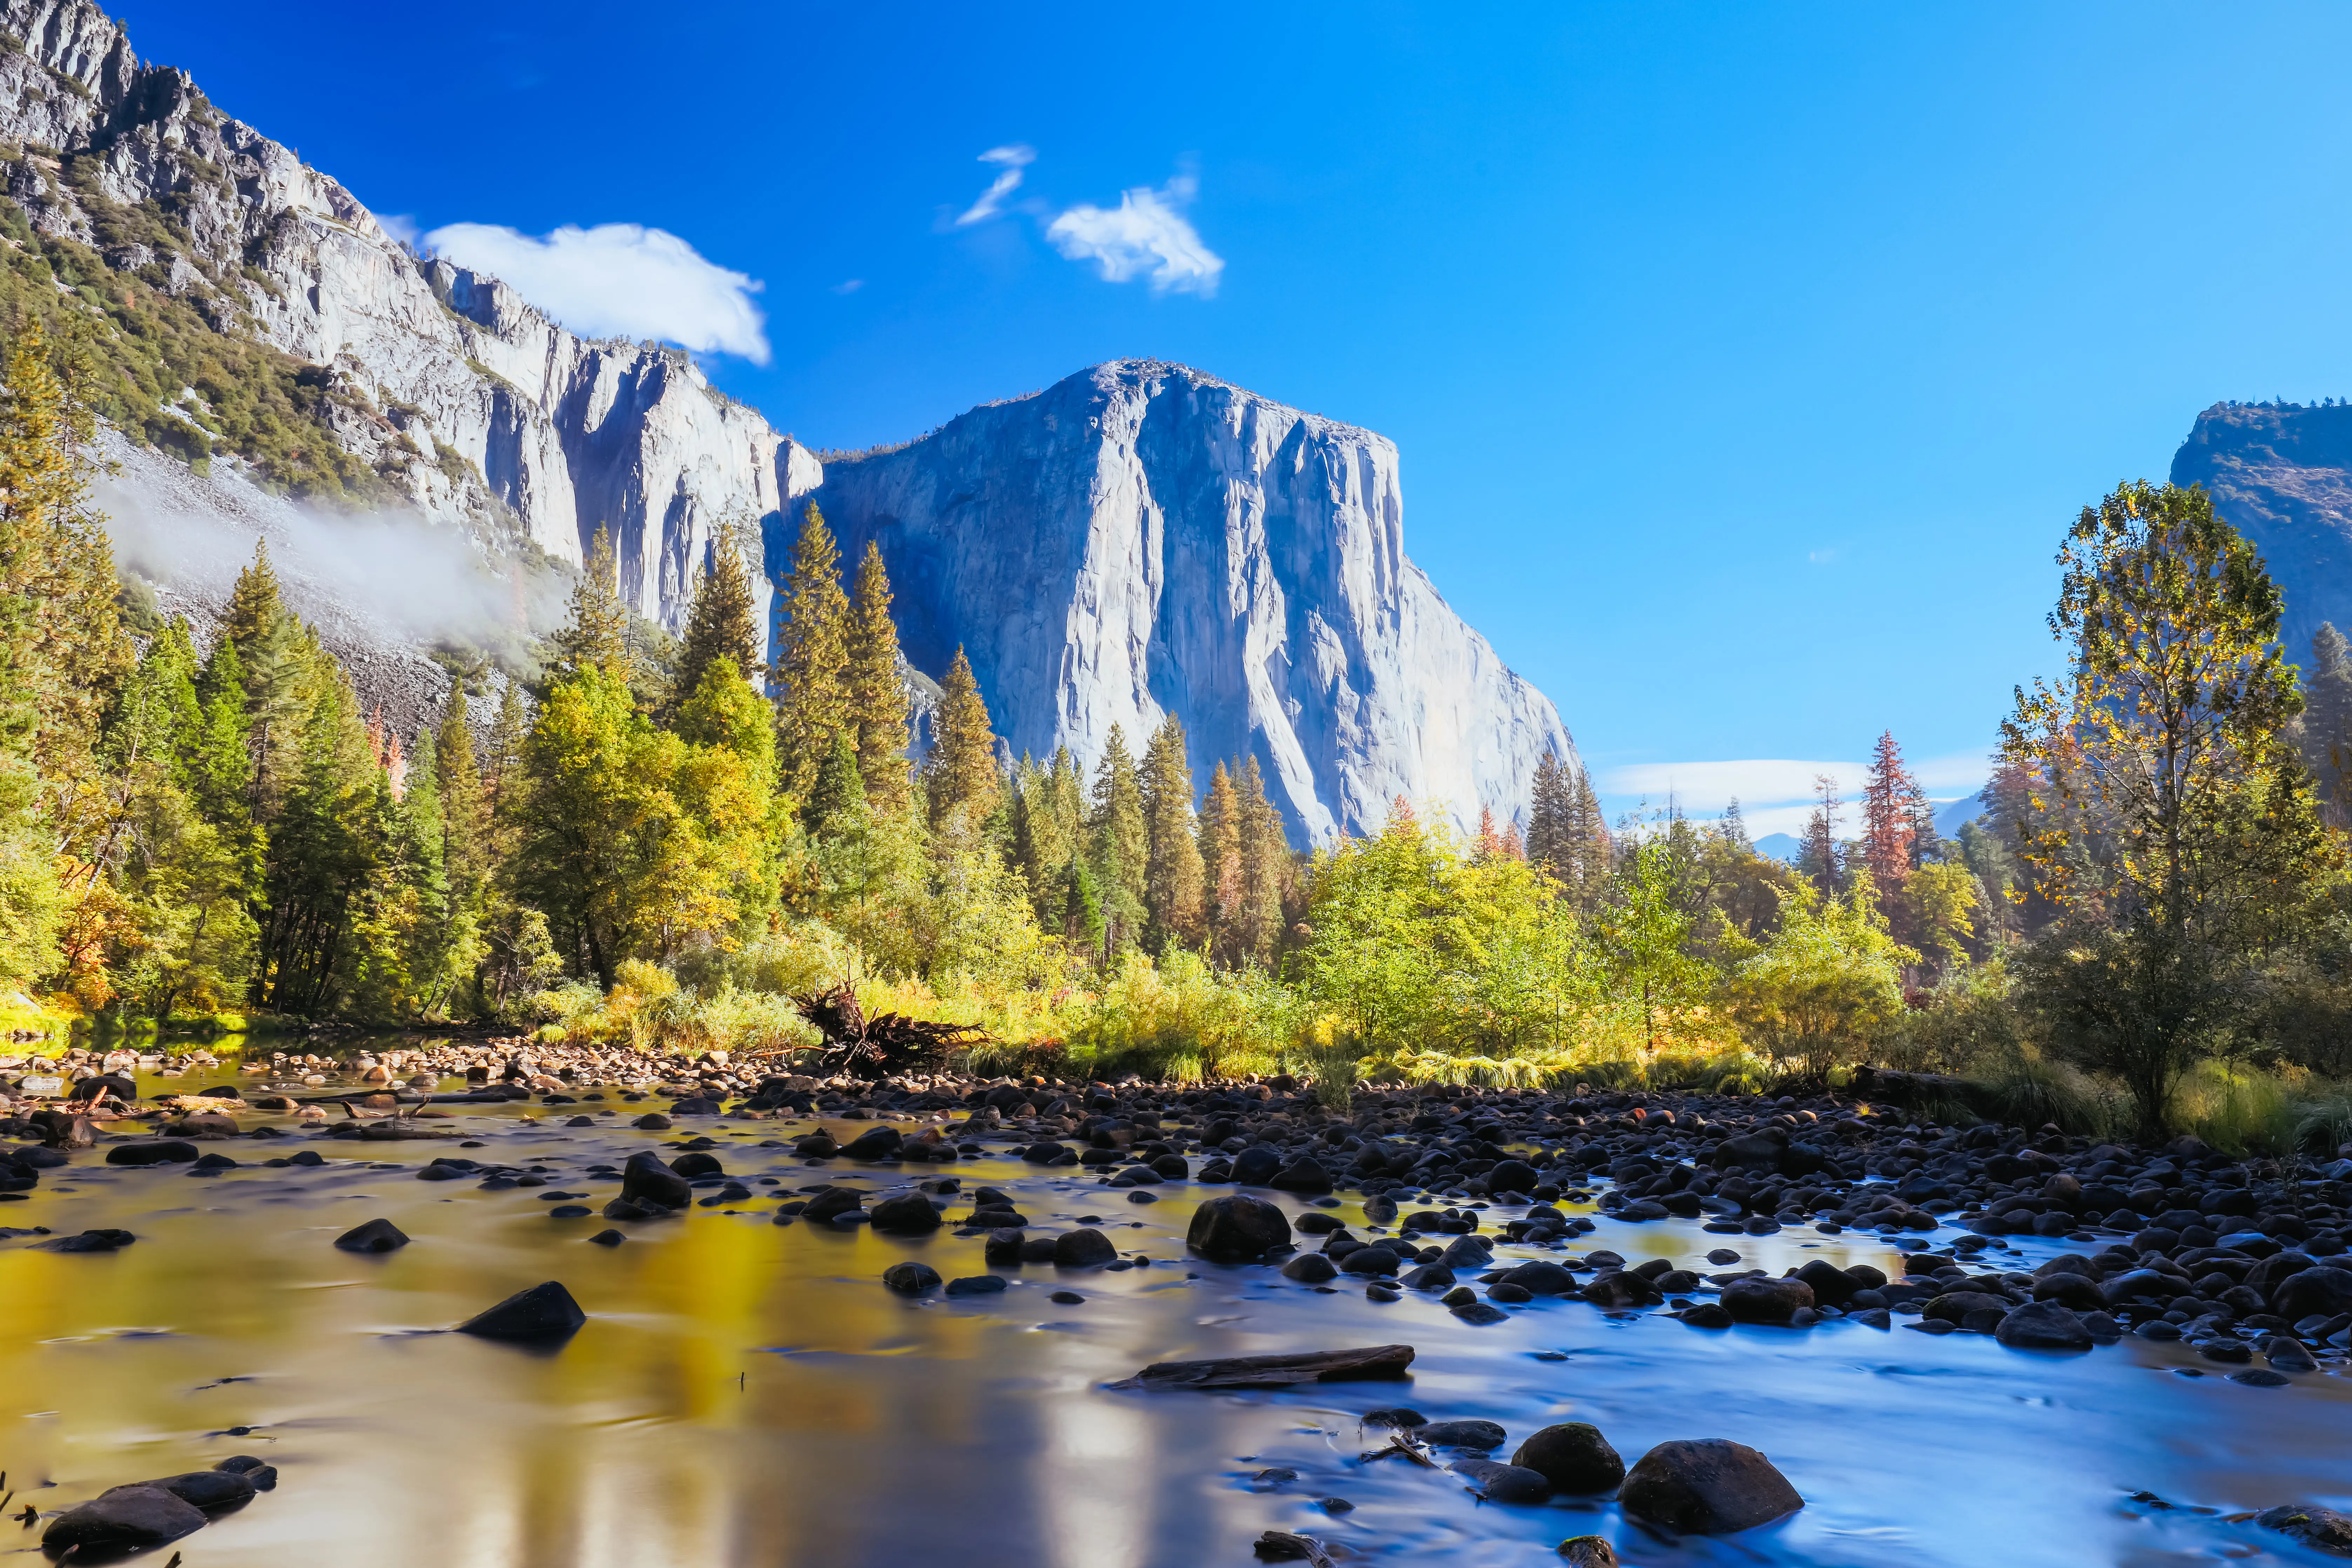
1747	362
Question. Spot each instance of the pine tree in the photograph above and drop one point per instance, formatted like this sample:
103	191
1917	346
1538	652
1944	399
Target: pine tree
595	634
877	695
1818	855
1265	857
837	802
1889	823
721	624
2327	720
1552	811
1221	861
1120	841
1173	870
1733	828
960	779
811	656
465	810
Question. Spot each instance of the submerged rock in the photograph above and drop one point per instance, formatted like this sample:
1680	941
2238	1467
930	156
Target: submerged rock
1707	1486
545	1313
1274	1371
376	1235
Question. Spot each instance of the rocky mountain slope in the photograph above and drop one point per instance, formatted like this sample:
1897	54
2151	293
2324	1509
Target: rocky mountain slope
468	406
1139	540
1142	539
2282	474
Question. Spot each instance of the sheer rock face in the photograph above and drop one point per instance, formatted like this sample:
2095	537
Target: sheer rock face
549	437
1142	539
2283	477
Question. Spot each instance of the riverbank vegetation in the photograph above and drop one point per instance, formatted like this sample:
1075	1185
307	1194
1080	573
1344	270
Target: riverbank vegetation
663	840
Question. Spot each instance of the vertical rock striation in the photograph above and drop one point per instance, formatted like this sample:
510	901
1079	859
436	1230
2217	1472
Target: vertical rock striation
1142	539
474	408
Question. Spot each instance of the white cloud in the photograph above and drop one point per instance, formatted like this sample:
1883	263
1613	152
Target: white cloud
400	226
1146	234
1013	159
1779	788
617	279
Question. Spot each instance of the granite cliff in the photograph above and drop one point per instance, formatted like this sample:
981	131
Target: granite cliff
1141	539
469	407
2282	475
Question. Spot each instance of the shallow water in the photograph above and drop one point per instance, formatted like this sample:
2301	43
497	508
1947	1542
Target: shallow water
749	1393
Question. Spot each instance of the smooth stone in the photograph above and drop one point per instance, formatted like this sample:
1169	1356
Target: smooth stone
1574	1457
210	1489
909	1214
976	1285
123	1519
1465	1434
910	1279
1083	1249
1310	1268
376	1235
2043	1326
1707	1486
647	1182
544	1312
1237	1228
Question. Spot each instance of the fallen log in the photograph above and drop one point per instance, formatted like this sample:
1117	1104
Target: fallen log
1274	1371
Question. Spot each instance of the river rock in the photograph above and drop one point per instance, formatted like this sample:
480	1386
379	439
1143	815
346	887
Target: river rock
1237	1228
376	1235
1310	1268
1304	1174
910	1279
1274	1371
1083	1249
545	1313
121	1520
1775	1301
830	1203
2322	1528
1463	1434
1498	1482
1589	1551
2043	1326
1256	1167
875	1143
151	1152
211	1490
1542	1278
2317	1291
644	1180
93	1241
1707	1486
909	1214
697	1163
1573	1457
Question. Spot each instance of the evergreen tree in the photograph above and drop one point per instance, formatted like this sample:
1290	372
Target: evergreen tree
1551	811
1172	873
464	806
876	694
1889	824
1220	862
960	779
811	656
1265	858
595	634
1733	828
1120	841
721	624
837	803
1818	853
2327	720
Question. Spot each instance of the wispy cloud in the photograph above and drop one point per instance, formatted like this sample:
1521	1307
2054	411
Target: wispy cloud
617	279
1763	784
1013	159
1146	235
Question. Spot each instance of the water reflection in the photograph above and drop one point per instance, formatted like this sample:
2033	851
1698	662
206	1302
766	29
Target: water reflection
748	1395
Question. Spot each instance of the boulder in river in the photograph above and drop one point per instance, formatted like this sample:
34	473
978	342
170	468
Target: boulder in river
545	1313
1083	1249
2043	1326
1573	1457
1467	1433
2322	1528
910	1279
1274	1371
875	1143
1237	1228
121	1520
1498	1482
376	1235
909	1214
1753	1300
644	1180
1304	1174
1707	1486
151	1152
211	1490
1589	1551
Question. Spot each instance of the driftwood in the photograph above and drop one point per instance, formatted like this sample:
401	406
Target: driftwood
1274	1371
874	1048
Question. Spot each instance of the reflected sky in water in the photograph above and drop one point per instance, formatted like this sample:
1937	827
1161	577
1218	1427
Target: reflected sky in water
747	1394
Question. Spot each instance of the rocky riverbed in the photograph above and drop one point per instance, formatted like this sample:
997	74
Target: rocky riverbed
819	1321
